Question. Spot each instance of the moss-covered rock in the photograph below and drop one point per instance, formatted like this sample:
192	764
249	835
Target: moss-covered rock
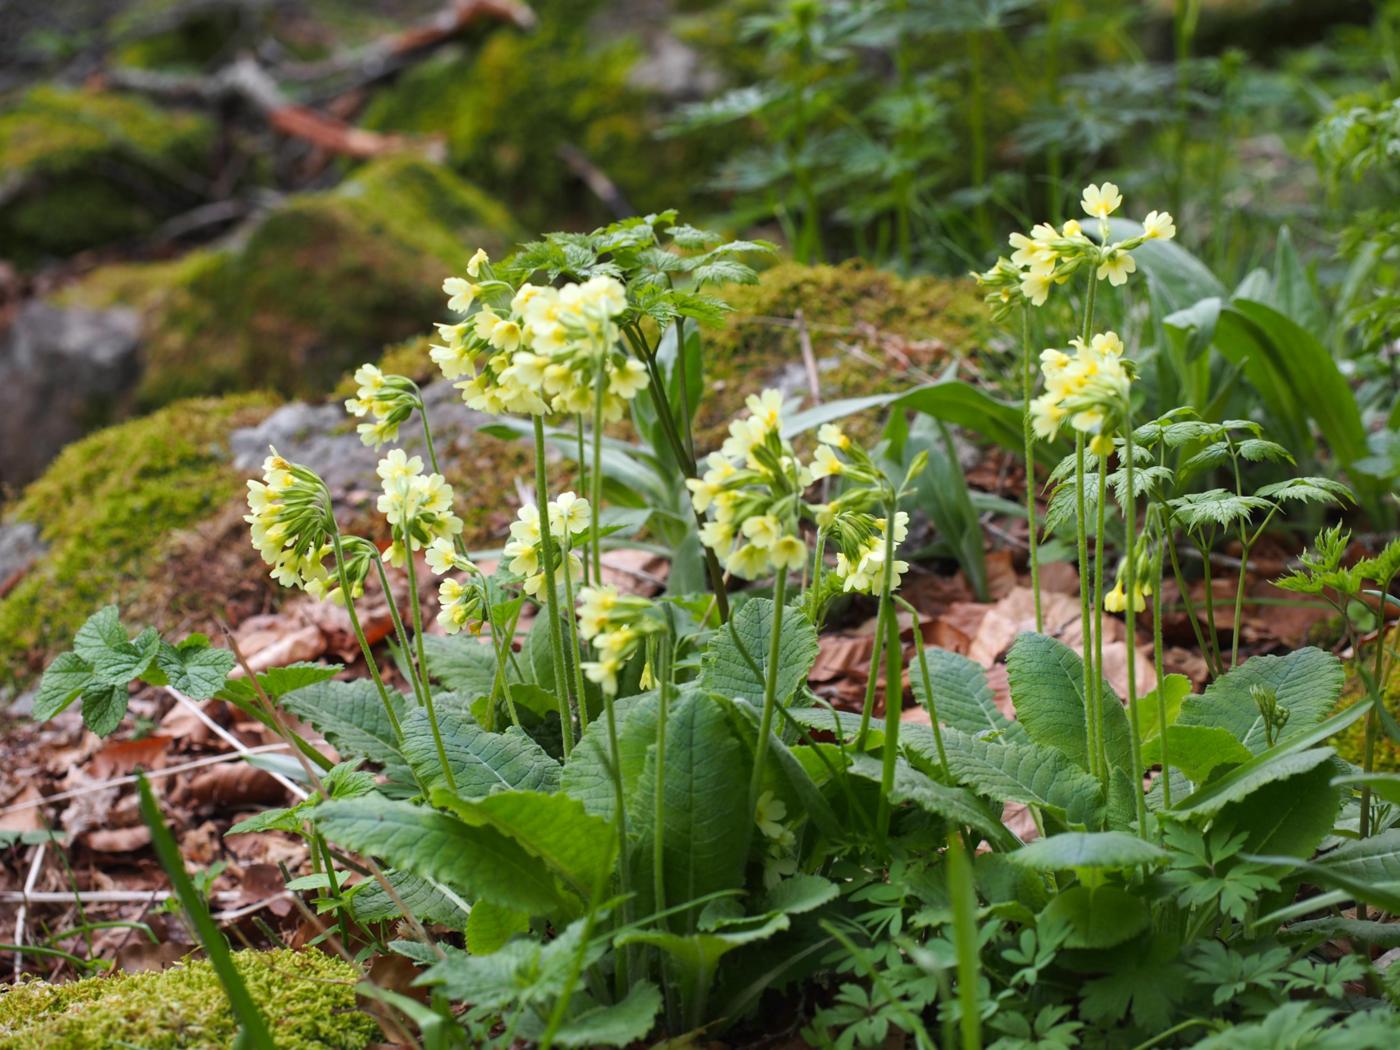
107	508
81	168
869	330
507	107
317	285
307	997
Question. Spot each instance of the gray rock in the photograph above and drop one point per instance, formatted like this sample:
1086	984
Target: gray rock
20	547
61	371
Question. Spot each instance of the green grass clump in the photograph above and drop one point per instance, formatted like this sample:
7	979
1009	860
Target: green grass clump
73	157
308	999
106	506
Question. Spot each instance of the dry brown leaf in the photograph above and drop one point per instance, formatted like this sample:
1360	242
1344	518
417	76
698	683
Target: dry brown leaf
118	840
235	784
24	819
118	758
839	655
634	571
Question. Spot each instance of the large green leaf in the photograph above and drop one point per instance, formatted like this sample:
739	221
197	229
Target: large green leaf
1305	682
1097	916
1289	817
1015	772
1088	849
1196	750
954	804
621	1024
571	842
706	822
481	762
737	657
952	401
1047	687
462	663
352	716
1177	277
65	678
963	697
794	782
474	861
1175	688
586	775
194	668
1375	859
428	903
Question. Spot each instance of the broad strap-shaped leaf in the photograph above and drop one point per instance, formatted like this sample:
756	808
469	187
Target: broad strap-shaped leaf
795	782
1243	780
737	657
277	682
621	1024
585	775
1047	687
474	861
490	927
576	846
352	717
705	802
1375	859
1305	682
954	804
963	697
461	663
1089	849
1097	916
1015	772
481	762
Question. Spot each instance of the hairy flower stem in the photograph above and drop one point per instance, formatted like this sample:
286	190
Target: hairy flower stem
422	661
1100	514
583	477
357	629
886	612
894	707
1212	632
595	477
1086	619
396	618
1130	545
658	854
1028	436
1160	669
556	630
929	701
575	654
770	692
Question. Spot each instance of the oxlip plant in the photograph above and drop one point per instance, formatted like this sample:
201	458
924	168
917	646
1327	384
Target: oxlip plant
636	821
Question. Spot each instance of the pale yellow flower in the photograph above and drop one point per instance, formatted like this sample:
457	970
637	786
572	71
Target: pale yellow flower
1158	226
1101	201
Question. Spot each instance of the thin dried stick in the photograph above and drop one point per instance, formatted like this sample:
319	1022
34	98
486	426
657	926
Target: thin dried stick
238	745
23	913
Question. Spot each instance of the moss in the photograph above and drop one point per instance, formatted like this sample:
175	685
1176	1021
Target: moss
894	322
507	107
308	999
90	168
317	286
1351	744
106	507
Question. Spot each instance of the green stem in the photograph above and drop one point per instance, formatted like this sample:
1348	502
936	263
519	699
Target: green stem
396	618
1160	668
1086	618
658	855
770	695
595	478
556	635
360	631
1212	632
885	613
583	477
1130	622
1100	515
1185	593
927	680
1028	436
894	705
574	655
422	661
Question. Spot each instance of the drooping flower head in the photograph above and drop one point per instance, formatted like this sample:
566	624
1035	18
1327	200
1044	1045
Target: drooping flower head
569	521
388	399
616	624
1090	388
418	506
752	493
289	515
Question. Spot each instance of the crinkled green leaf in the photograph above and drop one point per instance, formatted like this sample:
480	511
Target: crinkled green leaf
64	679
963	697
1305	682
620	1024
1098	916
103	707
102	631
728	672
352	716
197	671
1196	751
1047	687
369	902
954	804
123	661
481	762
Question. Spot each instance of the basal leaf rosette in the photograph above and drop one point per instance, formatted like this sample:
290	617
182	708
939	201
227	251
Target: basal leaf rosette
537	349
752	494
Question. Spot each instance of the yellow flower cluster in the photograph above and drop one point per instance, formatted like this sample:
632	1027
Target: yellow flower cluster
1089	388
460	605
863	570
288	514
1047	256
418	506
568	520
752	493
615	624
543	350
388	399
